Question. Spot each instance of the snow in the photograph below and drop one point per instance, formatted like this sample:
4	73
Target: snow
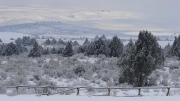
91	60
27	14
4	62
84	98
6	36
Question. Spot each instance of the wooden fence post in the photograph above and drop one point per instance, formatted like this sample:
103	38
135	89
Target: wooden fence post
109	91
78	89
17	89
139	94
168	91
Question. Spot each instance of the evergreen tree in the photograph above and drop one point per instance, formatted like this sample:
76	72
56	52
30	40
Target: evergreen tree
75	43
167	49
97	48
61	42
48	42
86	42
173	48
11	49
36	51
54	51
33	40
82	49
46	51
60	51
101	47
68	51
20	47
90	49
126	62
116	47
103	37
18	41
96	38
148	56
53	41
177	48
0	40
25	41
2	49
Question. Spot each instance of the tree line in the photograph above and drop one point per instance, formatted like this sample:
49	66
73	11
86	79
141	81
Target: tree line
137	60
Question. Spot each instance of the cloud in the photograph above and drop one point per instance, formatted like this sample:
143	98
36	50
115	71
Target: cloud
164	13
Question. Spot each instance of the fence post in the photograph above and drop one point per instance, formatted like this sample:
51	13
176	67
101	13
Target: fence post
47	90
109	91
168	91
78	89
139	94
17	89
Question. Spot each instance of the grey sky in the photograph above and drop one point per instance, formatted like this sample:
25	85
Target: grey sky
164	12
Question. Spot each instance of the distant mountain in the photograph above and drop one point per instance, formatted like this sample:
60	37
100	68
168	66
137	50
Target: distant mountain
58	28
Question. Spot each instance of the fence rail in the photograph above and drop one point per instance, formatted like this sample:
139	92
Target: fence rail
78	89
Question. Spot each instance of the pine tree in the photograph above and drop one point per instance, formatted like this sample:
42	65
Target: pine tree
86	42
21	48
68	51
103	37
36	51
90	49
148	56
116	47
75	43
33	40
167	49
11	49
48	42
45	51
54	51
97	48
172	50
0	40
82	49
18	41
53	41
60	51
175	50
2	49
126	63
61	42
96	38
101	47
26	41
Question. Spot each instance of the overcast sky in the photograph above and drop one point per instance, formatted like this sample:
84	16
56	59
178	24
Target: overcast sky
157	11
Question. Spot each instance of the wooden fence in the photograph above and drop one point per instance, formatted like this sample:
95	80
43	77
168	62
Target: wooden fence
79	88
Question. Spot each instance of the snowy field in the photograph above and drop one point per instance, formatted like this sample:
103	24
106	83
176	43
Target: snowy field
85	98
6	36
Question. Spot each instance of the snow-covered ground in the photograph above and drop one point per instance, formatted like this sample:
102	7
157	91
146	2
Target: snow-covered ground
85	98
6	36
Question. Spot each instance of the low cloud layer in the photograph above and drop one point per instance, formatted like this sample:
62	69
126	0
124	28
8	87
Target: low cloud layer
165	13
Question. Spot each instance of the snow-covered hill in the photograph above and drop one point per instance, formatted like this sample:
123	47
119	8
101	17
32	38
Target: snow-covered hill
58	28
23	15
